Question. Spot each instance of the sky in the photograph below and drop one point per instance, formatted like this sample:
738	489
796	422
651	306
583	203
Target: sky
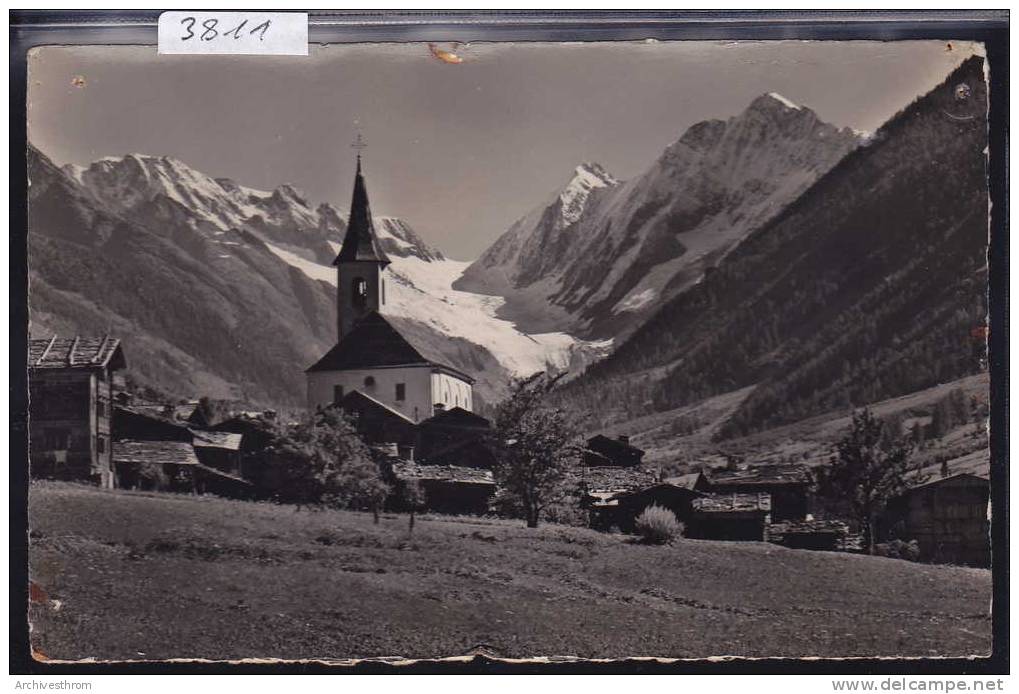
459	150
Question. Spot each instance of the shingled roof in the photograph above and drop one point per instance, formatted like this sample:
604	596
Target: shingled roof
616	479
733	503
765	475
360	242
75	352
216	439
159	452
443	473
375	343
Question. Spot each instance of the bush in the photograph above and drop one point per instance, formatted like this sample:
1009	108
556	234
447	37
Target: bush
657	525
899	549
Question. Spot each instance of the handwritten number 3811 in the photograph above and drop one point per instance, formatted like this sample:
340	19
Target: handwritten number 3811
209	29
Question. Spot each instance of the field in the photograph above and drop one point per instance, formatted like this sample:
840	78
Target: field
136	576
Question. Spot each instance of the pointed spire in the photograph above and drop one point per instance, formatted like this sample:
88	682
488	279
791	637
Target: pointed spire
360	243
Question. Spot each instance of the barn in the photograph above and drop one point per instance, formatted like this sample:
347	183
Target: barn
620	509
733	516
617	452
948	517
455	437
71	382
788	486
448	488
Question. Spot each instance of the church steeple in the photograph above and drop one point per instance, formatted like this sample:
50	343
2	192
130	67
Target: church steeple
360	243
361	262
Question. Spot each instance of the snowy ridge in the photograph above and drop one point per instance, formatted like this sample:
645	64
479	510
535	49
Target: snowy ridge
784	101
133	181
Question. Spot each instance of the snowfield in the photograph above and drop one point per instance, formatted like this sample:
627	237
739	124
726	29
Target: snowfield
422	290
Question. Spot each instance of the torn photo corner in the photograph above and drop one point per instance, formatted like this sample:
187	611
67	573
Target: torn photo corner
531	351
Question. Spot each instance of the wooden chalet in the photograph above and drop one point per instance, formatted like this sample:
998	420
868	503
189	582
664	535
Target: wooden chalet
448	488
620	509
173	466
154	452
604	451
948	517
253	427
733	516
788	485
71	383
219	449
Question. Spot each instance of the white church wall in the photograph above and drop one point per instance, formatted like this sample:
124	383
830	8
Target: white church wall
452	391
417	380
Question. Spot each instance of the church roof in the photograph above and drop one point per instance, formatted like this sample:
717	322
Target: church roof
373	343
360	242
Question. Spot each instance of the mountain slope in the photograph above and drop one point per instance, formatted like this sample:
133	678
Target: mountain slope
601	264
228	291
871	285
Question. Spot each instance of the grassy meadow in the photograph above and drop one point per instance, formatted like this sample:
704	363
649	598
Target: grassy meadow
142	576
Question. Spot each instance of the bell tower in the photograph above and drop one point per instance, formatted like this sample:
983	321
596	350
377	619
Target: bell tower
361	263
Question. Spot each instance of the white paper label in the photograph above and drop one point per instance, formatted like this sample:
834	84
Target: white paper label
233	33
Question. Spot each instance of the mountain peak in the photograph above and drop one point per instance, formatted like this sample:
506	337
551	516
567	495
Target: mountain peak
586	177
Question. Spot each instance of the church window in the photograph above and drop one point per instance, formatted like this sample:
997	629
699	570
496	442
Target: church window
369	381
337	393
360	291
401	391
383	283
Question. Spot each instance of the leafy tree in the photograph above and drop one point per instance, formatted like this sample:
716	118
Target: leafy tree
865	473
321	461
536	448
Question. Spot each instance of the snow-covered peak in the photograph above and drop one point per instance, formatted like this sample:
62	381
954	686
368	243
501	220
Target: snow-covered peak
399	239
586	178
784	101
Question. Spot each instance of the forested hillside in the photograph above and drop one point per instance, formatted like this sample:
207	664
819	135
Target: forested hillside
872	284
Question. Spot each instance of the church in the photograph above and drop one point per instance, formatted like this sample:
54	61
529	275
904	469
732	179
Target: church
371	356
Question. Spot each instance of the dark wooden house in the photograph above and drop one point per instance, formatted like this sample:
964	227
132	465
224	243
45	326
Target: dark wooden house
156	465
219	449
733	516
448	488
455	437
155	452
948	517
788	485
71	384
617	452
620	509
147	424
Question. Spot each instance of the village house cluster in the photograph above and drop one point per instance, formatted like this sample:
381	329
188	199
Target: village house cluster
417	412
